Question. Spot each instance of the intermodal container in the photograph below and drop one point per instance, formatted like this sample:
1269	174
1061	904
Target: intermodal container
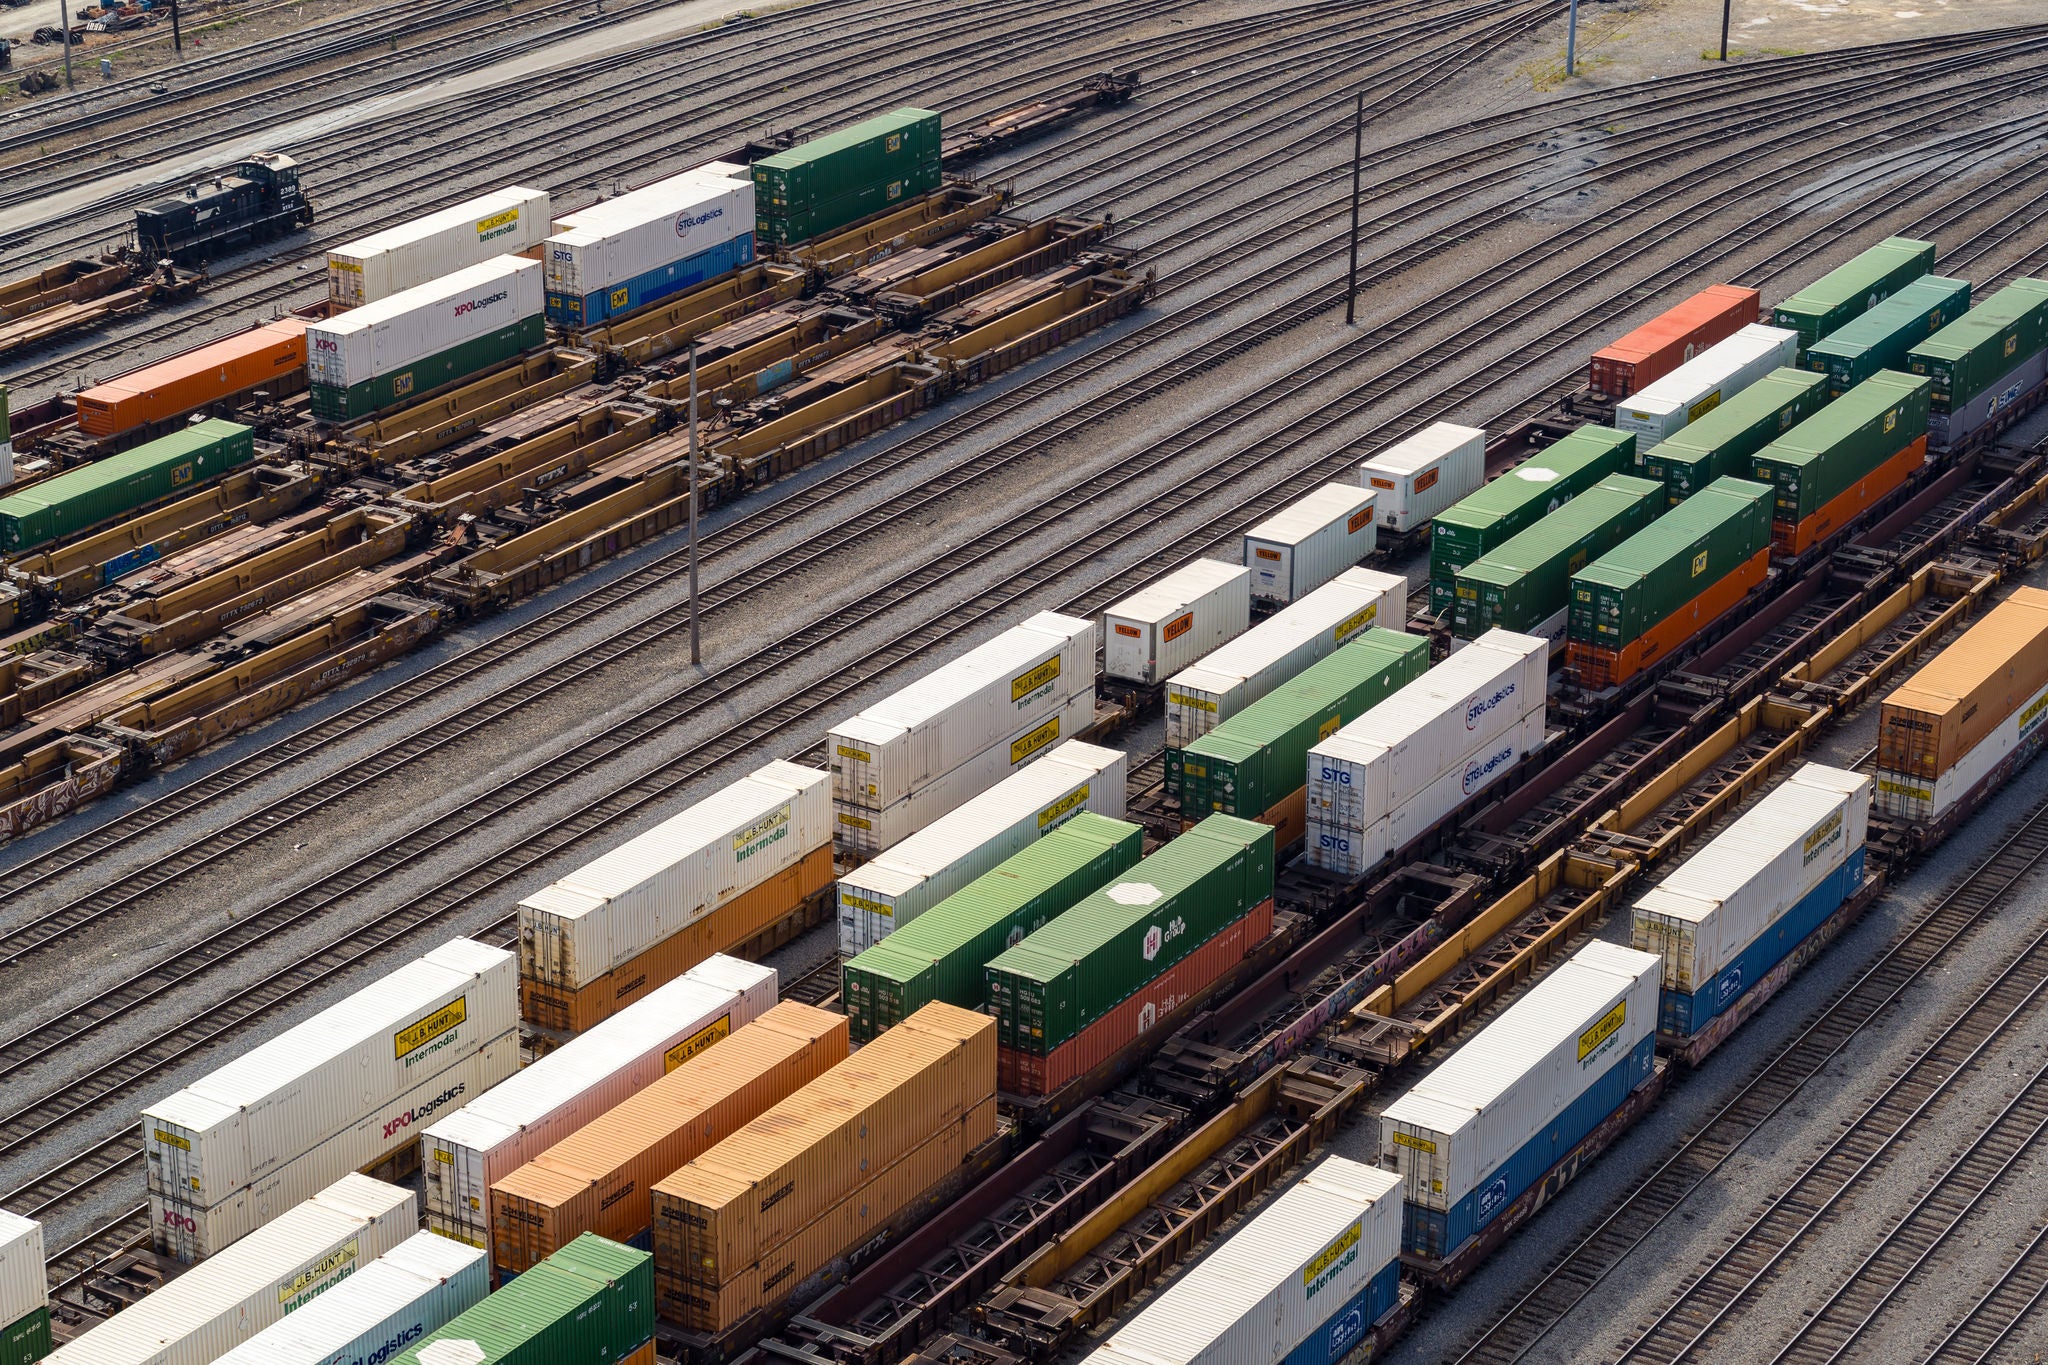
752	1192
182	462
1414	479
1838	463
1883	338
397	349
879	897
828	182
742	858
463	1155
1661	586
24	1291
1658	411
336	1093
502	223
1138	1015
1519	499
939	956
415	1288
648	244
1252	764
201	1315
1300	1284
1487	1123
1305	545
591	1301
1670	339
1721	443
272	355
597	1179
1058	981
958	711
1974	709
1525	584
1984	361
1391	774
1732	911
1199	699
1157	631
1849	291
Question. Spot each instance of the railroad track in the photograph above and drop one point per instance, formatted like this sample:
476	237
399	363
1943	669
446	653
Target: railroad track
2011	1300
1922	946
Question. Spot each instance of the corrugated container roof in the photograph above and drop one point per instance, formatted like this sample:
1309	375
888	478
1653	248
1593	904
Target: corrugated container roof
1986	319
657	200
1843	418
408	301
1173	592
1900	310
184	442
399	1278
1984	651
846	137
1424	448
513	196
1311	513
1682	387
1851	277
1648	549
1735	415
1281	633
1529	549
1280	710
1529	479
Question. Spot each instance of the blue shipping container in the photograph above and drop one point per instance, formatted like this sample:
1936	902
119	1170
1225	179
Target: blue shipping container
1347	1327
600	305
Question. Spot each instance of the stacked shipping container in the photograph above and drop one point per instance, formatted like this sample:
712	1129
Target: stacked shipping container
182	462
1413	480
1670	339
647	244
1303	546
341	1091
704	881
368	1318
1851	290
1721	443
825	184
1843	460
591	1301
1984	363
1883	337
1658	411
1525	584
24	1291
1157	631
504	222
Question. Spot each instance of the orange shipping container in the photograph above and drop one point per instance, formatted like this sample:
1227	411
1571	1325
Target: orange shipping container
725	930
700	1306
273	355
597	1179
1965	692
757	1189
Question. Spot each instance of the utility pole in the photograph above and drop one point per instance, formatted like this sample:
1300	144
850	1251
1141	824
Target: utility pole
177	39
1357	172
64	18
1571	41
1727	6
695	657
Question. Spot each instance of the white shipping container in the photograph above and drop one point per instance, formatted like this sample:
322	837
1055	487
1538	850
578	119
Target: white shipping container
1406	744
1664	407
506	1127
220	1303
24	1285
423	321
324	1076
1199	699
1157	631
1303	546
647	229
501	223
1719	901
1460	1123
190	1231
1277	1279
864	831
879	897
1021	678
417	1287
1415	479
657	884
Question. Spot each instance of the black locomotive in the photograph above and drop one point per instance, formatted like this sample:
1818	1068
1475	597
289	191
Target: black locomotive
258	200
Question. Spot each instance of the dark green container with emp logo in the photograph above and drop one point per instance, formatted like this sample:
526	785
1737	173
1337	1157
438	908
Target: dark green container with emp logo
1882	338
182	462
592	1300
1984	345
1818	460
1849	291
1529	580
1618	597
1721	443
842	177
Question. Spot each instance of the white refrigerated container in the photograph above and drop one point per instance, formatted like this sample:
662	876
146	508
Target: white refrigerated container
1664	407
1309	542
1413	480
1157	631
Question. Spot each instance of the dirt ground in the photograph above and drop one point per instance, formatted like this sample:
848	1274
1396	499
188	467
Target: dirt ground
1623	41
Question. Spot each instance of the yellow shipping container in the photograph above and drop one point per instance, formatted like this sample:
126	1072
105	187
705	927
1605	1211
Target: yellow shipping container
758	1188
1965	692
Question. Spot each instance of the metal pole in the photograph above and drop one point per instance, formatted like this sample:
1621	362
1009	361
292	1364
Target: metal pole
695	657
1571	41
177	39
1357	171
1727	6
64	18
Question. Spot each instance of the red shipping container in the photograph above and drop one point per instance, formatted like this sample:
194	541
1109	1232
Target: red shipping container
1023	1073
1668	340
271	356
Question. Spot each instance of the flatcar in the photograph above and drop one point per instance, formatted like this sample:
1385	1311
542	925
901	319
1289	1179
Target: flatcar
256	201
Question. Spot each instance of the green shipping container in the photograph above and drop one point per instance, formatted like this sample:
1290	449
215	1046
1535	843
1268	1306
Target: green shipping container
1621	595
1528	581
1882	338
1821	458
1517	500
1096	955
940	954
1849	291
844	176
591	1301
1259	757
25	1340
1984	345
331	404
1721	443
181	462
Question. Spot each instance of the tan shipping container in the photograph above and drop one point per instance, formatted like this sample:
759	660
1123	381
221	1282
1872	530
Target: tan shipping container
725	930
761	1186
699	1306
597	1180
1963	694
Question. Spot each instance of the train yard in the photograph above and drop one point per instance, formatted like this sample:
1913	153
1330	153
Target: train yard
273	737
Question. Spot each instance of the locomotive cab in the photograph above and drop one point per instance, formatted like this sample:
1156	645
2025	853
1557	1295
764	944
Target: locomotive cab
258	200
